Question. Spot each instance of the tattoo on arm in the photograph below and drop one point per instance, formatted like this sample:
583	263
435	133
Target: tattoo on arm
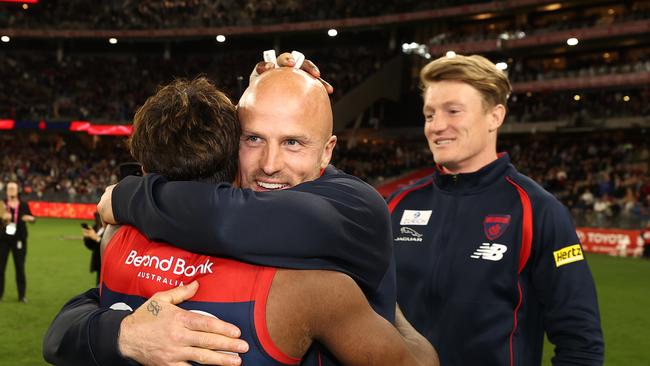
154	308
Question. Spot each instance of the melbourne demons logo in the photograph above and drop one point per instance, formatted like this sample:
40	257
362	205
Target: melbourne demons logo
495	225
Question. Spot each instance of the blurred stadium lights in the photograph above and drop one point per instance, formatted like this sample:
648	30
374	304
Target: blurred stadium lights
502	66
576	97
512	35
221	38
551	7
414	48
5	39
450	54
626	98
332	32
483	16
572	41
112	40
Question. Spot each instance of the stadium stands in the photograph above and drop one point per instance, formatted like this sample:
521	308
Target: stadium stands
195	13
58	67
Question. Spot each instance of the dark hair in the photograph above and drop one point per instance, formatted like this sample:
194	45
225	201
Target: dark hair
188	130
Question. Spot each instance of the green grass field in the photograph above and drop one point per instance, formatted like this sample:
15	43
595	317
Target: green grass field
57	269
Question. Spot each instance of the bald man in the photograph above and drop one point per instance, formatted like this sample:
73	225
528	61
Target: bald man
285	141
336	222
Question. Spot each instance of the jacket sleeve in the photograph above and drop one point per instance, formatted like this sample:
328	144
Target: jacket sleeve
84	334
336	222
566	287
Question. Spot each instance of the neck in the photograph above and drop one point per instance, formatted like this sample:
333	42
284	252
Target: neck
470	168
12	198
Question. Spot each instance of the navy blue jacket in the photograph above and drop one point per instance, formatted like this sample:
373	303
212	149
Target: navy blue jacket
336	222
488	261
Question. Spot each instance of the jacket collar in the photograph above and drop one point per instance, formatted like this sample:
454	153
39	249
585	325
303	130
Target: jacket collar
468	182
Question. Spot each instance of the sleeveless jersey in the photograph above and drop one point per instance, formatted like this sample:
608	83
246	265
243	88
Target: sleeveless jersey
135	268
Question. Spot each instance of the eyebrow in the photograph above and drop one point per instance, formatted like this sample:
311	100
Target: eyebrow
445	104
298	137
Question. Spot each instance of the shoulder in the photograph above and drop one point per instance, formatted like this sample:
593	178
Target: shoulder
344	191
540	199
550	218
418	186
319	291
310	299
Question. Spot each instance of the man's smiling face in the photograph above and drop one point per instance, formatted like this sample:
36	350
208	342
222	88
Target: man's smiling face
286	140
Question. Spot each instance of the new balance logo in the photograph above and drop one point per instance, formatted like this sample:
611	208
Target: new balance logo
490	252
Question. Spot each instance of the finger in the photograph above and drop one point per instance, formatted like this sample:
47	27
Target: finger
286	59
210	357
179	294
310	68
202	323
328	86
262	66
215	342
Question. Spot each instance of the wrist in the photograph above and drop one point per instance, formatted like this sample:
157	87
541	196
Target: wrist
123	341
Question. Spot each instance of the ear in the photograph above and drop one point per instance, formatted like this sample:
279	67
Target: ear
327	152
497	115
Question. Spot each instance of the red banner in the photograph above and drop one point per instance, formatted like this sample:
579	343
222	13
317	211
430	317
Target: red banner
389	187
63	210
7	124
622	243
91	129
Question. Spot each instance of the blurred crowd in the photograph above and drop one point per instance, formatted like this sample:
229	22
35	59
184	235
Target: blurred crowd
61	169
603	178
376	161
579	109
541	23
82	87
151	14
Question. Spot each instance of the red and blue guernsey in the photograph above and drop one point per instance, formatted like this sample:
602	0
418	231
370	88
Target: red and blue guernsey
336	222
135	268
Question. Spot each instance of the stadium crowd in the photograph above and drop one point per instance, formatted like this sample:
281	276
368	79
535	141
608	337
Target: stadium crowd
83	86
514	28
149	14
602	178
578	108
606	179
60	168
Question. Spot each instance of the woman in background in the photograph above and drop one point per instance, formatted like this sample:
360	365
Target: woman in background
13	237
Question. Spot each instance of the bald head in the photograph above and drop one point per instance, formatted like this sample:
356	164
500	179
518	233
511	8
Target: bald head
286	121
289	91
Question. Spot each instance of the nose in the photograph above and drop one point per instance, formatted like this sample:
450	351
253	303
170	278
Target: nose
436	125
272	162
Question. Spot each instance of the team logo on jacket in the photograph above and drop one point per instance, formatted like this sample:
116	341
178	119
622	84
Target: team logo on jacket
495	225
408	234
415	217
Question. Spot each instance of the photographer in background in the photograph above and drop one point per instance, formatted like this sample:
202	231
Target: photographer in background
13	238
92	238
